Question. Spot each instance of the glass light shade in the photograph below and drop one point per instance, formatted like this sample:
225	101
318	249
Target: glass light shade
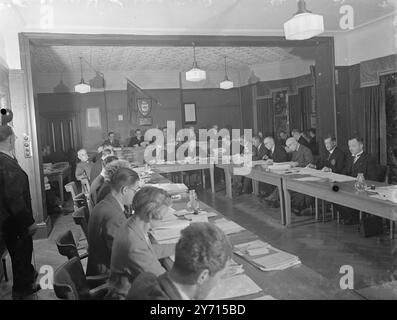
304	26
195	75
82	87
226	84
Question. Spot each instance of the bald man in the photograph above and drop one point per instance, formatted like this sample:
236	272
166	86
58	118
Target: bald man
83	168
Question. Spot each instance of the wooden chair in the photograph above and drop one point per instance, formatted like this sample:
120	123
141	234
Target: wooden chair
80	218
71	283
81	201
85	185
71	188
4	255
67	246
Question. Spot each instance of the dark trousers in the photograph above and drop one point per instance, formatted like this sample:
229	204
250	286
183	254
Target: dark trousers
20	249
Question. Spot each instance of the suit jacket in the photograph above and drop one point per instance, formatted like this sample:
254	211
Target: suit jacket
149	287
259	153
132	254
279	154
96	170
303	156
365	164
303	141
335	161
114	144
105	221
135	141
83	170
313	146
96	185
16	213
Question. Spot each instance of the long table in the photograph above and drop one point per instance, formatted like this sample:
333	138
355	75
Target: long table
257	174
346	196
176	167
298	282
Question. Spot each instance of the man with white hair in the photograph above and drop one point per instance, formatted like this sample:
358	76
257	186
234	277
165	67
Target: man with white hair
298	135
83	168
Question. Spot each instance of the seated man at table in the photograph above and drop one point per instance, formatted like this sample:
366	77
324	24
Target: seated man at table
97	167
112	141
133	252
358	162
334	160
278	154
98	182
106	218
299	137
137	140
83	168
301	157
202	255
258	153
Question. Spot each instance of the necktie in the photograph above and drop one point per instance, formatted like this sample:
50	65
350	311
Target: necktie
356	158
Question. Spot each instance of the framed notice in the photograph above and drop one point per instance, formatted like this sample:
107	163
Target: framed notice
145	121
93	118
189	112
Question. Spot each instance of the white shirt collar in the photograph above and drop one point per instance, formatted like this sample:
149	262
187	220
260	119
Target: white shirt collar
183	295
330	152
358	154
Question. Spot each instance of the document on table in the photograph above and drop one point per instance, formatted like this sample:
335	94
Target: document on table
266	297
325	175
196	218
171	188
309	179
228	226
237	286
252	246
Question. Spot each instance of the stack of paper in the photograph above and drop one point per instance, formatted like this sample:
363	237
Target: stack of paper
265	257
326	175
233	287
228	226
171	188
169	231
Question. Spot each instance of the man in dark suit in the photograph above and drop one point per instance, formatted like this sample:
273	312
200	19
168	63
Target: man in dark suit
335	159
301	157
106	218
97	167
17	225
358	162
137	139
201	257
276	153
300	138
258	153
112	141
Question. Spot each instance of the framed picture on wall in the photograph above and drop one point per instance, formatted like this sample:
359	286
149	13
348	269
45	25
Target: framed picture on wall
93	118
189	113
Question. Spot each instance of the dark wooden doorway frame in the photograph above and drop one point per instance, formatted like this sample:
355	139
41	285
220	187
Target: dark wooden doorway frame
26	39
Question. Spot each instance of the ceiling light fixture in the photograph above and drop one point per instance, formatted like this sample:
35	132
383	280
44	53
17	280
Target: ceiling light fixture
226	83
304	24
195	74
82	87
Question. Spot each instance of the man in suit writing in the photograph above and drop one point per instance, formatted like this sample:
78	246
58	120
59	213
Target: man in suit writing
335	159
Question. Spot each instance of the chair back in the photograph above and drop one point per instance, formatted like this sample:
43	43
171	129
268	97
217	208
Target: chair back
80	201
66	245
71	188
85	186
79	217
70	282
383	173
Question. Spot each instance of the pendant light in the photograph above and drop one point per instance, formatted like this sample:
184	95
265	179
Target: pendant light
304	24
82	87
195	74
226	83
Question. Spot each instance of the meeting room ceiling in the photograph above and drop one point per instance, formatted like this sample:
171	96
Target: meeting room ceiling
57	59
188	16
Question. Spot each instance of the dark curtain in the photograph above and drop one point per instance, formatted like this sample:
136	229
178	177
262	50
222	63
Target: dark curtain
295	112
266	117
371	103
305	96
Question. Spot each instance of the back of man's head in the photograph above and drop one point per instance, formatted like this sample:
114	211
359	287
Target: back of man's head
202	246
123	177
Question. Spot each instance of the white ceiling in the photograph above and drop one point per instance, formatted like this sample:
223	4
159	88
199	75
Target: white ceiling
186	16
57	59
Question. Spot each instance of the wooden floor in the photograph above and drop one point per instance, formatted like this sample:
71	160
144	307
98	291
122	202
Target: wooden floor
322	247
